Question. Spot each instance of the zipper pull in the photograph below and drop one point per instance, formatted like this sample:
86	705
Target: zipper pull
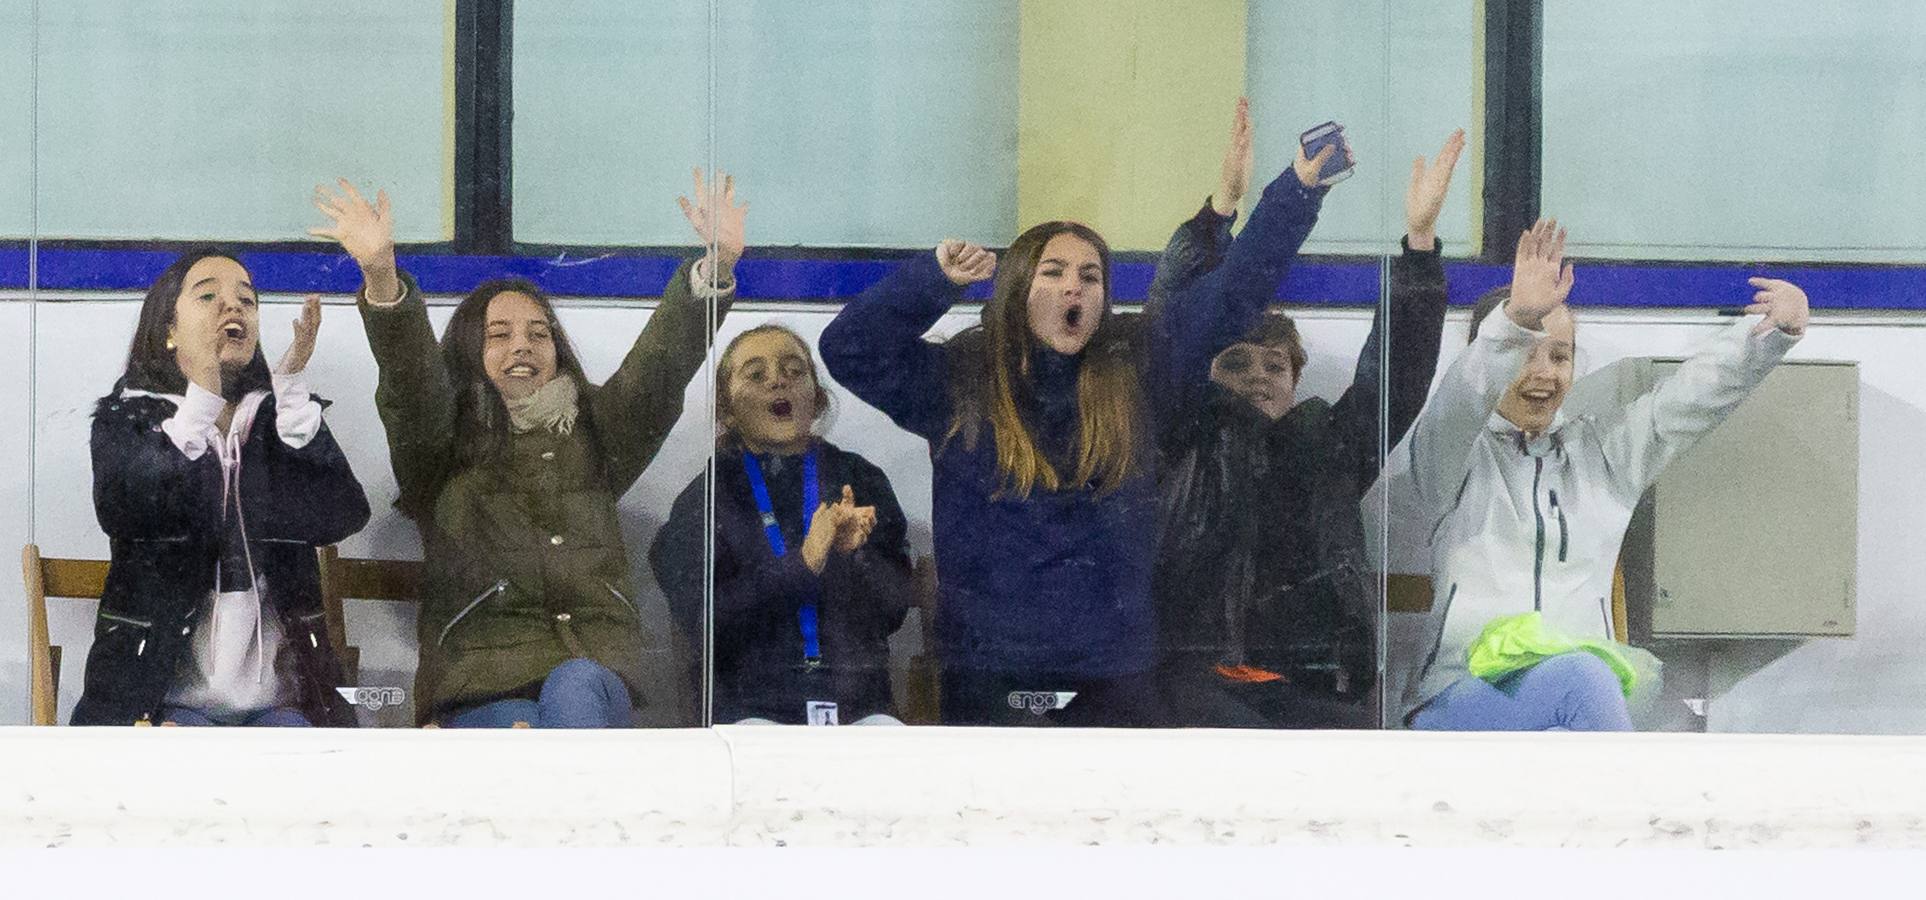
1564	533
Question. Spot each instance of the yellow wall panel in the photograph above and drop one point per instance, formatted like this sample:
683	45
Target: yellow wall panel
1124	109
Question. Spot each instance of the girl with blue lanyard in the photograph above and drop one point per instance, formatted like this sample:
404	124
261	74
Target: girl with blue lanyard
809	585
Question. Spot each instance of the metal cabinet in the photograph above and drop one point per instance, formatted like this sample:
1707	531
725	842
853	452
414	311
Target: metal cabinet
1753	533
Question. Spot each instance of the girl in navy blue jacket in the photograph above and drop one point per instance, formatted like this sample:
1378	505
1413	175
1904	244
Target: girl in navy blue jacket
812	568
1042	425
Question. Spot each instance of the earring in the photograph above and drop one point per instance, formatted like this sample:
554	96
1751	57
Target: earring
170	342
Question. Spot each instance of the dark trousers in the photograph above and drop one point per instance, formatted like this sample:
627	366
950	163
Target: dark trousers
980	697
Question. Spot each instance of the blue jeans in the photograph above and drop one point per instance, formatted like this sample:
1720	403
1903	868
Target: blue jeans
1569	692
277	717
580	693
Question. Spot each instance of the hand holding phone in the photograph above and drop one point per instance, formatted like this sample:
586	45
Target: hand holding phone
1338	165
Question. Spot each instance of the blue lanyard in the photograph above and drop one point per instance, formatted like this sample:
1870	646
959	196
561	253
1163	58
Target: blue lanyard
812	643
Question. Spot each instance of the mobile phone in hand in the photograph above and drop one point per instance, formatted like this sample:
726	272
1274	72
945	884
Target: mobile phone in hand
1329	134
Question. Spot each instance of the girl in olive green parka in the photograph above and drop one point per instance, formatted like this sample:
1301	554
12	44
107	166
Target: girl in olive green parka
511	463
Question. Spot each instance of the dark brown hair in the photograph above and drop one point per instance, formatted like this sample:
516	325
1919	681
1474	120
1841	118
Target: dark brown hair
481	416
1277	328
151	364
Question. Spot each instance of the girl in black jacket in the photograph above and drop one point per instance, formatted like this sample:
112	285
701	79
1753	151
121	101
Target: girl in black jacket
215	479
803	609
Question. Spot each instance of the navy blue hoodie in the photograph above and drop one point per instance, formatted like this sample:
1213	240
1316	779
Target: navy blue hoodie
1057	582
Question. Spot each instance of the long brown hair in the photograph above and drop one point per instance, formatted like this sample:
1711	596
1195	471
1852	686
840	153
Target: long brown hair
995	361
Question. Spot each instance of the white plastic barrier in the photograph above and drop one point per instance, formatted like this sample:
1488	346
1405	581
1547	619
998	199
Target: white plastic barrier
923	787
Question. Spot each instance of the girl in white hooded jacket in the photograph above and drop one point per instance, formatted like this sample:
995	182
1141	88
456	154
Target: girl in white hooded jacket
1527	507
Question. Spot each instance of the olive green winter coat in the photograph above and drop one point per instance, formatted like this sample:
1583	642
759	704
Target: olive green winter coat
524	555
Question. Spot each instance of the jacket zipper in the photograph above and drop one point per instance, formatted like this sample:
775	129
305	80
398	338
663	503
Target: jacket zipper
1564	534
479	598
1538	551
624	599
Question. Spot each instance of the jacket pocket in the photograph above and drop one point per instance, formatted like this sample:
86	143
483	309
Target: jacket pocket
481	598
113	626
309	623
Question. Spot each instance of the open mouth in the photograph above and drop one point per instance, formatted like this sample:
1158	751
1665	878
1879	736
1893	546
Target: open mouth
1538	396
234	331
1073	317
520	370
781	409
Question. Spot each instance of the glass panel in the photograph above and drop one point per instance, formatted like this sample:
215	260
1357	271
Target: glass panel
611	116
200	102
240	109
1397	76
1757	129
475	492
1677	464
989	603
16	341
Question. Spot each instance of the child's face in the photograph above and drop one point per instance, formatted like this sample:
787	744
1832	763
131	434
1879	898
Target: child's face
1066	294
1533	400
519	348
1259	373
216	317
772	393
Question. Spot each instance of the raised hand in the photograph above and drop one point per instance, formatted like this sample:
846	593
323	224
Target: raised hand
1236	176
1311	171
1540	277
1783	304
367	231
718	221
1426	195
965	264
305	328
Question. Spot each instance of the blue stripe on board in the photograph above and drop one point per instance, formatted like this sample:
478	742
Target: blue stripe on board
1310	282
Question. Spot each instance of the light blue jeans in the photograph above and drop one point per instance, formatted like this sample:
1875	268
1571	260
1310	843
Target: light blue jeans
1569	692
580	693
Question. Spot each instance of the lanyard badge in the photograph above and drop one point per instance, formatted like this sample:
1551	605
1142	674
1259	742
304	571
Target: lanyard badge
812	497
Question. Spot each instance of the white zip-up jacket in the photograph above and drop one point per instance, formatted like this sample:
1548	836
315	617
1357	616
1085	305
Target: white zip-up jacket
1518	524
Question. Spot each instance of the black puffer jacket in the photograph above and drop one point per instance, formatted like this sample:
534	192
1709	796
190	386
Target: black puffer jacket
162	515
1262	559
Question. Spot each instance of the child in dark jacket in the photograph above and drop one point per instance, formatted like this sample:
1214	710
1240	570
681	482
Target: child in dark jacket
1040	425
215	478
1266	599
808	584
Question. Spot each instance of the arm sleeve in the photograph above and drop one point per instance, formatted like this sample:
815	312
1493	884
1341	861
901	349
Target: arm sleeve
413	393
1447	429
635	409
875	347
1670	418
1221	306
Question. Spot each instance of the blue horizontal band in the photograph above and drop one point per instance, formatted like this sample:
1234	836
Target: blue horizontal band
1311	282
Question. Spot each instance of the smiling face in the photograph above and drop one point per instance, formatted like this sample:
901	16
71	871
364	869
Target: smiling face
1261	374
772	395
216	316
1533	400
1066	298
518	346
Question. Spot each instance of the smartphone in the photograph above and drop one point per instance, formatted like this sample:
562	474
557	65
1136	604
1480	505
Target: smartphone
1329	134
